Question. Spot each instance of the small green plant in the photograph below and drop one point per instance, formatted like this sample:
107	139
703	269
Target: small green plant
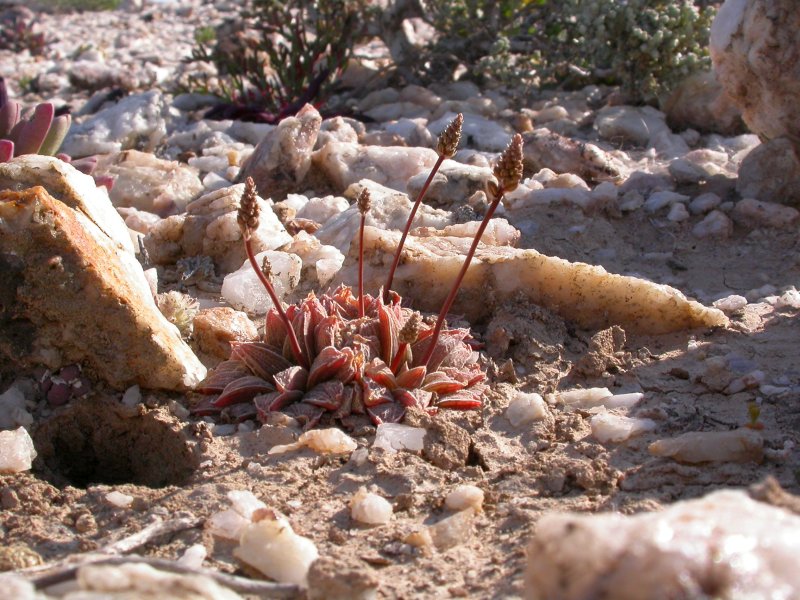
278	57
346	352
18	32
82	5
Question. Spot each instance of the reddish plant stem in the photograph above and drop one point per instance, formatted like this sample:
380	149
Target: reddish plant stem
434	337
298	354
398	358
361	266
417	202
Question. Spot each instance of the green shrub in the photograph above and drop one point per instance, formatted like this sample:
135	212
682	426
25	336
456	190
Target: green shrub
278	56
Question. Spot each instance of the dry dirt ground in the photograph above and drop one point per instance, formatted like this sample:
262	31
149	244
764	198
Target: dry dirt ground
172	466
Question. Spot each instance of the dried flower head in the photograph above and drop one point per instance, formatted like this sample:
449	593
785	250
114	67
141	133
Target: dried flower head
508	169
247	217
266	267
410	331
364	202
449	138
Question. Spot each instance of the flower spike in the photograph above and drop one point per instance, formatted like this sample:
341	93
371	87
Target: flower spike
364	205
446	147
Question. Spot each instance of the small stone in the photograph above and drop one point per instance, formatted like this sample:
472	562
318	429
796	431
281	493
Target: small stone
85	523
715	225
755	213
739	446
244	290
16	451
341	578
119	499
464	497
193	557
18	556
132	396
396	436
215	328
526	408
608	427
731	304
678	213
369	508
658	200
324	441
704	203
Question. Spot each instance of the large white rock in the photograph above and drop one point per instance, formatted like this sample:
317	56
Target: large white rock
244	290
77	297
16	451
725	545
136	121
756	53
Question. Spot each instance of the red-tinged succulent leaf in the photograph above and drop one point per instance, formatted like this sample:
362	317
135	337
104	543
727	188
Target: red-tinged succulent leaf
412	378
350	368
291	379
307	415
440	383
328	395
274	329
466	399
450	350
243	389
34	131
348	395
404	397
326	365
326	332
378	371
388	329
386	413
205	407
222	375
374	393
238	413
262	359
9	117
6	150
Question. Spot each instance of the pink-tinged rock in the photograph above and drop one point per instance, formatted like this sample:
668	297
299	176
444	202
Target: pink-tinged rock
700	103
755	50
71	295
754	213
215	329
282	159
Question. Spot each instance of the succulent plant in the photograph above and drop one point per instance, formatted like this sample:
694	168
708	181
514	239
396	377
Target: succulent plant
35	131
18	32
346	352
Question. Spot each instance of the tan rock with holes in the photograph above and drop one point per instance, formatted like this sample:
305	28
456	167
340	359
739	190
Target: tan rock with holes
69	294
215	329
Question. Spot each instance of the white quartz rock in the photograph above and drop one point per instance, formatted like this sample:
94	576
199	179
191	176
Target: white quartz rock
136	121
608	427
344	164
320	262
324	441
465	496
739	445
396	436
16	451
743	546
243	289
13	409
526	408
369	508
272	547
119	499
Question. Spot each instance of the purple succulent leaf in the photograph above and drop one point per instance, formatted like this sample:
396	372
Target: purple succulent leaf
55	135
34	131
6	150
9	117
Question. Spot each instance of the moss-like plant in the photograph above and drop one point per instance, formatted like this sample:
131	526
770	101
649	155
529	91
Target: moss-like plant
280	56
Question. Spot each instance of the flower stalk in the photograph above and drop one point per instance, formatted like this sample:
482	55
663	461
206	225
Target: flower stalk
363	207
446	148
508	172
247	218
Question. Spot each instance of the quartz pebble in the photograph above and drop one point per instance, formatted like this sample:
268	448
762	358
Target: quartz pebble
132	396
673	553
272	547
738	446
244	290
608	427
731	304
465	496
119	499
598	397
324	441
369	508
16	451
194	556
396	436
526	408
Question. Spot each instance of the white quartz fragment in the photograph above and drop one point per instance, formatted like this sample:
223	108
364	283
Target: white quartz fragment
194	556
132	396
465	496
396	436
731	304
243	290
245	503
739	445
16	451
369	508
526	408
227	524
324	441
584	398
119	499
13	409
608	427
274	549
748	549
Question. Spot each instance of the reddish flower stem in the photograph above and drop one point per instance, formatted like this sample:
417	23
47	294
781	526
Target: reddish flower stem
396	260
398	358
434	337
361	266
298	354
